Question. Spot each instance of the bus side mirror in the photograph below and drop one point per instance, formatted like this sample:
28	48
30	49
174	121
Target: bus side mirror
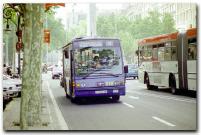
125	69
66	54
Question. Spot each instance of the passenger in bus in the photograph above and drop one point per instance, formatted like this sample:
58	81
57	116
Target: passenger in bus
174	57
96	62
190	53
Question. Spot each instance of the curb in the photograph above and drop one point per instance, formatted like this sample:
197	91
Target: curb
62	122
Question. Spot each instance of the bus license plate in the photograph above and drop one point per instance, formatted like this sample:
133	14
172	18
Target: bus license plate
101	91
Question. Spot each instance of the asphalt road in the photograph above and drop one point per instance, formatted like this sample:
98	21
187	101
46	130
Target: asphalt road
140	109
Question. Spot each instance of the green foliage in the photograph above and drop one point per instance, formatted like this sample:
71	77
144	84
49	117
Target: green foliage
130	31
77	31
57	32
127	30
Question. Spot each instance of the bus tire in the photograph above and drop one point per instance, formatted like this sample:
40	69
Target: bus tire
74	100
67	96
149	87
65	88
116	98
172	84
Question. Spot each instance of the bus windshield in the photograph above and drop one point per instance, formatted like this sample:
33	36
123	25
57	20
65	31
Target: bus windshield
98	61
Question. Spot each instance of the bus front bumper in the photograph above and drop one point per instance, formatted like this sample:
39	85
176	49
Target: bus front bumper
91	92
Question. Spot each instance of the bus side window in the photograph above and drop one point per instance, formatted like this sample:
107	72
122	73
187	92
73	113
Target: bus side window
174	54
192	49
141	53
167	52
174	51
155	53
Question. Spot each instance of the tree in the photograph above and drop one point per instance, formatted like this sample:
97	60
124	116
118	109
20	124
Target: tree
77	30
57	32
168	23
130	31
31	76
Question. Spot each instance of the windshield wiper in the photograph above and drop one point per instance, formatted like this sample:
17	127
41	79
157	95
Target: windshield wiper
98	73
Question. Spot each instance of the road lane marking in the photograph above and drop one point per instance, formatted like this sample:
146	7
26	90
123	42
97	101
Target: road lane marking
128	105
62	122
163	121
165	97
133	97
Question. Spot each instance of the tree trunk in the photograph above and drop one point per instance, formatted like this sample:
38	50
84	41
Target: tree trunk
31	75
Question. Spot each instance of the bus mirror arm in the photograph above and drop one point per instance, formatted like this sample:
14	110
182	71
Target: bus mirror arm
125	69
66	54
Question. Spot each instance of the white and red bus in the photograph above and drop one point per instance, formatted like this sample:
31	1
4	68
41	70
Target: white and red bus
169	60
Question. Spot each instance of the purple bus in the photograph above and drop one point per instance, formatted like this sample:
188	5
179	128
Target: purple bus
93	67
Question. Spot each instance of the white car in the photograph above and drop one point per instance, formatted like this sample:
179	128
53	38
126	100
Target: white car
56	72
11	87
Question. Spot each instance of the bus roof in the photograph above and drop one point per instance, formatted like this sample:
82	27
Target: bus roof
166	37
93	38
191	32
158	39
89	38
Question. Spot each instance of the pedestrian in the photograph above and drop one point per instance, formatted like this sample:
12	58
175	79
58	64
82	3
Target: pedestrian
9	71
4	69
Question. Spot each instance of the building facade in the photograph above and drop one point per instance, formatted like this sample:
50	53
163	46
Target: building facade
184	14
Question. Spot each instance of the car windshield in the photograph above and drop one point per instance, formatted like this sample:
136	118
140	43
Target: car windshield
98	60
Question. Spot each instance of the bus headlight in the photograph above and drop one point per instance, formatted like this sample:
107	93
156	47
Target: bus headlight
77	85
118	83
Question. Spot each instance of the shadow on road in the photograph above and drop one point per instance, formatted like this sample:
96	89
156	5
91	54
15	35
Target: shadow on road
95	100
180	93
88	100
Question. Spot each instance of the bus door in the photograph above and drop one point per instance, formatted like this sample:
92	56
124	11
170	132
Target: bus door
71	81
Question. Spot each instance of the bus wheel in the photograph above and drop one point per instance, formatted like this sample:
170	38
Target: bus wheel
149	87
173	85
67	96
115	98
65	89
73	100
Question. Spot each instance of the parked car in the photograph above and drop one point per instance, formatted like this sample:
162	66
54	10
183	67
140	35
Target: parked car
11	87
132	71
56	72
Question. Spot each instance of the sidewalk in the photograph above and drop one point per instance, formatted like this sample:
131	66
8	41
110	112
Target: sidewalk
51	116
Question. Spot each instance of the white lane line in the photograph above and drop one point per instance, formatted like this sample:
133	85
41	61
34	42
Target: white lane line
165	97
163	121
133	97
128	105
62	122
